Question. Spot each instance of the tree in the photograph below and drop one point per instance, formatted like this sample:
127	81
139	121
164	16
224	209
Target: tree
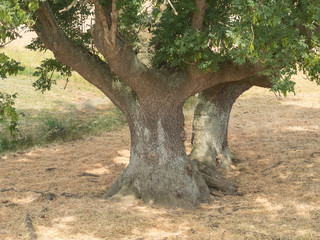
11	16
211	119
8	67
196	45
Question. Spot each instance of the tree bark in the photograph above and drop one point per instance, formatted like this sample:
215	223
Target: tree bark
159	170
151	99
210	125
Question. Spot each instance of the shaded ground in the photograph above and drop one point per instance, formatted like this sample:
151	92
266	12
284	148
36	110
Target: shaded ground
277	148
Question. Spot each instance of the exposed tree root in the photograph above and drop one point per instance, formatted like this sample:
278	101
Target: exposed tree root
213	156
139	186
269	168
215	179
120	188
171	187
50	197
224	159
31	231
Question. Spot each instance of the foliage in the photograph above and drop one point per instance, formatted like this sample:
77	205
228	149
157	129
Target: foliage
11	67
8	66
267	31
282	35
12	15
45	81
242	31
7	110
62	129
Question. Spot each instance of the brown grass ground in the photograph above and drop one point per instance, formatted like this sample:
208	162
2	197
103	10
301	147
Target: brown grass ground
277	148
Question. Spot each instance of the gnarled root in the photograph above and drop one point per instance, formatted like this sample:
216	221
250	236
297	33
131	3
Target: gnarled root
174	187
122	187
216	180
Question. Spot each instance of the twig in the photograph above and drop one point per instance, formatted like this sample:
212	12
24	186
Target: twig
114	25
67	81
274	166
173	8
74	2
52	74
314	154
278	96
6	43
88	175
29	225
50	197
44	210
70	195
6	189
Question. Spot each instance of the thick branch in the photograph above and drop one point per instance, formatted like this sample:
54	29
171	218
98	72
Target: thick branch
198	16
121	58
258	81
198	81
114	26
89	66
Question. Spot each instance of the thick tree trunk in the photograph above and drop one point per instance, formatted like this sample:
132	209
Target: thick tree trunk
210	125
159	170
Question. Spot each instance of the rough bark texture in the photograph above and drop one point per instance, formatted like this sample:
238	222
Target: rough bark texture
210	125
159	170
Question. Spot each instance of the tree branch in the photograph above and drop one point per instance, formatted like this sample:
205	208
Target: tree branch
173	8
197	81
74	2
114	26
121	58
198	16
89	66
258	81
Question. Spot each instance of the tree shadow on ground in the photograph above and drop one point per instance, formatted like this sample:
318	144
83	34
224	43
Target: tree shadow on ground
278	172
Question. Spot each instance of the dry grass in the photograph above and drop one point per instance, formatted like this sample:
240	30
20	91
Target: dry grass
276	144
79	109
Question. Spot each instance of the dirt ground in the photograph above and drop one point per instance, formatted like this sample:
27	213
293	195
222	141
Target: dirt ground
276	145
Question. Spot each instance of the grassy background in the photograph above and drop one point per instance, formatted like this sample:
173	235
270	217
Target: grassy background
62	114
69	111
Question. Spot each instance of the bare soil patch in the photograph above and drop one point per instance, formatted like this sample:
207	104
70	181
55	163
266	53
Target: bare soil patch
277	148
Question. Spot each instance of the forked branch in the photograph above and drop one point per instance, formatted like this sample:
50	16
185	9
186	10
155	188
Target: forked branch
89	66
114	26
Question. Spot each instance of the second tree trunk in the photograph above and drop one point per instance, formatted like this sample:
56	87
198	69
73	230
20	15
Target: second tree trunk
210	125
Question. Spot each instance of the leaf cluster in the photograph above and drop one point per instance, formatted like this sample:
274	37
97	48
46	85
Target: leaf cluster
266	31
8	66
281	34
8	111
45	74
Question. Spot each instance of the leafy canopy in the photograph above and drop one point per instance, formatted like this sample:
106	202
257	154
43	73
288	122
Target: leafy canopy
12	17
283	35
280	34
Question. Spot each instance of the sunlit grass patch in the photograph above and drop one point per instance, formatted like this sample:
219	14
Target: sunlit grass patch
50	128
71	110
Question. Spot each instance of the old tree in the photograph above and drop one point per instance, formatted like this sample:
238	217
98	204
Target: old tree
216	48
